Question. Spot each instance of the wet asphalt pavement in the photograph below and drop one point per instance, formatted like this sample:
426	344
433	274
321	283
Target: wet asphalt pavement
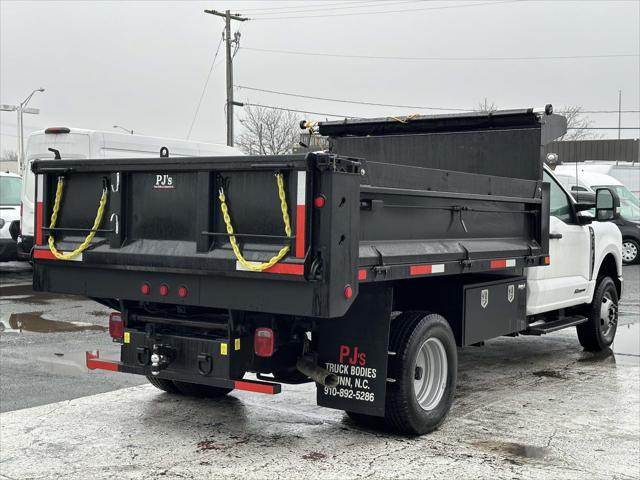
525	407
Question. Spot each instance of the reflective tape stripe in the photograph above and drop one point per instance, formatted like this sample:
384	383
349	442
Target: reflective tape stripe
503	263
301	204
283	268
47	255
39	213
426	269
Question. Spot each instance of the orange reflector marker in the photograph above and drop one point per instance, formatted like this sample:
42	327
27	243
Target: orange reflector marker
547	260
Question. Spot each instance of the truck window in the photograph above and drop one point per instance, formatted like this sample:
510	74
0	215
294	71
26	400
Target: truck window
560	207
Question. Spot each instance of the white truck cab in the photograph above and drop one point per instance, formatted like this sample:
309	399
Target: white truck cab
582	253
69	143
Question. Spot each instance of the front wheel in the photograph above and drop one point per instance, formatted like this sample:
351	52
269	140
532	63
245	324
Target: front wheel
630	249
425	368
598	332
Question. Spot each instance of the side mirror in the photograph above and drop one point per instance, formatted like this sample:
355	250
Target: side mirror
607	204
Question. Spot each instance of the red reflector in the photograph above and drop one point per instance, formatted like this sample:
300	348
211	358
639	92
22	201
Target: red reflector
57	130
116	325
348	291
145	289
319	201
547	260
362	274
263	342
164	290
183	292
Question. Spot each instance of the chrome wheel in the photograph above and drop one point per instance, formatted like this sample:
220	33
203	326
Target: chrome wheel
608	317
430	373
629	251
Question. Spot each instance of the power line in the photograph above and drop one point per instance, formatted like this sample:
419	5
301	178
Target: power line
439	59
257	10
444	7
355	102
298	110
367	4
605	111
204	89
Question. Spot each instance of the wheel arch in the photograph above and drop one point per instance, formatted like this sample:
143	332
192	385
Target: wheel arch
609	268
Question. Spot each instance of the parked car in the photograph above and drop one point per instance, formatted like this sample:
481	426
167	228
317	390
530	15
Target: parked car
629	219
75	143
10	186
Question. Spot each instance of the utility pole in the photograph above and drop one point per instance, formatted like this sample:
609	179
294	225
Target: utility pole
227	36
619	112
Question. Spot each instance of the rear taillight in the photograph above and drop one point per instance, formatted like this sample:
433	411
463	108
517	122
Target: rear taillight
145	289
263	342
164	290
116	326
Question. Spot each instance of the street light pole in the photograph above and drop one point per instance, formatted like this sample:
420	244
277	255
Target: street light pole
22	108
125	129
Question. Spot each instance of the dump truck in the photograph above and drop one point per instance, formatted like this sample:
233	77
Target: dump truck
362	268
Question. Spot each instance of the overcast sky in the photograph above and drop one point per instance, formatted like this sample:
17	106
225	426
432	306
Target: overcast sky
143	65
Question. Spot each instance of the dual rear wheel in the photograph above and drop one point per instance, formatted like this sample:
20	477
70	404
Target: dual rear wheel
424	365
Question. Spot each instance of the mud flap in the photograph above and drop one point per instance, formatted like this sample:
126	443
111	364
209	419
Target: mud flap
354	347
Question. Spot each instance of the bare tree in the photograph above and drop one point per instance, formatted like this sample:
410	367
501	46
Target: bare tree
9	156
486	106
578	124
268	131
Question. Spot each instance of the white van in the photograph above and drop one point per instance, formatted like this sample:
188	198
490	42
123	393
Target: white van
66	143
627	173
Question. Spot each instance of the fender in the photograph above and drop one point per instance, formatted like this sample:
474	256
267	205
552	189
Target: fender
607	240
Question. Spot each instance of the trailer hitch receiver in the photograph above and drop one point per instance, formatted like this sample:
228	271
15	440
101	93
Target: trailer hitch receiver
161	357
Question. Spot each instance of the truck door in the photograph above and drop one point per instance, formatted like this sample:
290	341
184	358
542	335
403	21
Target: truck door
565	281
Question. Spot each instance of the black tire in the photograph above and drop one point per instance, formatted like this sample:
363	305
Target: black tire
162	384
629	247
197	390
597	333
409	331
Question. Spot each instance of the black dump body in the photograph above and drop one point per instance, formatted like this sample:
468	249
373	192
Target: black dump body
403	198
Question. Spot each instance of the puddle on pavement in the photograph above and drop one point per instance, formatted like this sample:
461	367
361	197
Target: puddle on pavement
33	322
626	346
25	294
514	449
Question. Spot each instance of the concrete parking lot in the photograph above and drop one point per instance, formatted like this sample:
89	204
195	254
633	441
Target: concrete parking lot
526	407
